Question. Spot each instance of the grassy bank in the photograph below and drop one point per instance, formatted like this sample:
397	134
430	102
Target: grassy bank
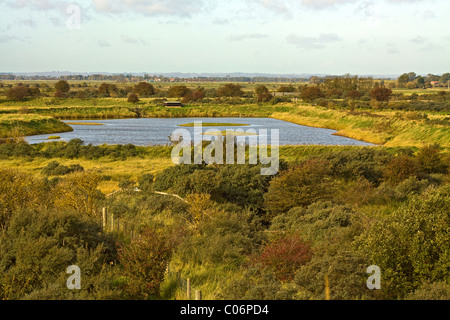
17	125
383	128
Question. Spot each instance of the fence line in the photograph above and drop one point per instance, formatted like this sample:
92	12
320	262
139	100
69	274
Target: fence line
112	224
185	285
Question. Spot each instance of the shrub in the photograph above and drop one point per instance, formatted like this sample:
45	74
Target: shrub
62	87
299	186
145	260
225	239
401	168
56	169
144	89
78	191
18	93
133	98
311	93
284	255
230	90
431	291
381	93
323	224
430	160
145	182
37	247
411	244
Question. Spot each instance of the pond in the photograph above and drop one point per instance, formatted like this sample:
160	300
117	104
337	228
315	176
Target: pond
156	131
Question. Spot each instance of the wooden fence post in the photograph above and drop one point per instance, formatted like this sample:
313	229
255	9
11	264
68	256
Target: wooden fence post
188	289
198	295
112	223
327	288
105	212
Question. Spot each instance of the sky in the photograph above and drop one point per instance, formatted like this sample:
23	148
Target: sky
337	37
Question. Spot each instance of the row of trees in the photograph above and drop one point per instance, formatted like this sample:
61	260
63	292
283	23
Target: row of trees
412	80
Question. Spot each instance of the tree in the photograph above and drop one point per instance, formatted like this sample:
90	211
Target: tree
262	93
411	76
286	88
230	90
311	93
381	93
445	78
420	81
107	89
403	79
178	91
62	86
198	94
18	93
133	98
144	89
354	94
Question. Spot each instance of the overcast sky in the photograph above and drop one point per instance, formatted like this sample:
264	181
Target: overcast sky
261	36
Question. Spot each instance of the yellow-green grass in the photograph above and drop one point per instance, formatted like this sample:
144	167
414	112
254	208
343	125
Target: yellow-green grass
131	168
225	133
18	125
215	124
207	278
54	138
374	127
85	124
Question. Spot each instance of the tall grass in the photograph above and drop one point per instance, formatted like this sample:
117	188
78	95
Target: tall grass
13	125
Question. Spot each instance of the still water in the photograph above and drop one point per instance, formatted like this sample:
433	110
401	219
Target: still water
156	131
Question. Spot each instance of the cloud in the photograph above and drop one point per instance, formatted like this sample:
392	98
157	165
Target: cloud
6	38
103	44
130	40
392	48
311	43
419	40
283	7
323	4
424	44
243	37
428	14
43	5
405	1
180	8
28	23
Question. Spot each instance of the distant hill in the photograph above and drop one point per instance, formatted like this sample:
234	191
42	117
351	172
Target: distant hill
58	74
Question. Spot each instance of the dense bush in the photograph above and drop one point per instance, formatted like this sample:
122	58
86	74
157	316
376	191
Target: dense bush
302	185
284	255
145	260
37	248
56	169
412	244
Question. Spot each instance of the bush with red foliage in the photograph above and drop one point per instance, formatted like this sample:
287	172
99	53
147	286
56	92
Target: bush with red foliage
284	256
